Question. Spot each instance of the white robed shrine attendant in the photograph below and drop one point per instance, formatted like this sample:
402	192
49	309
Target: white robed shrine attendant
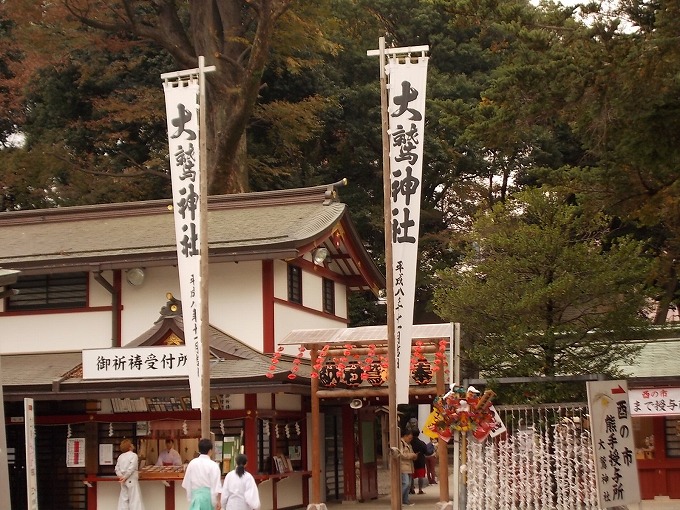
239	491
202	479
127	467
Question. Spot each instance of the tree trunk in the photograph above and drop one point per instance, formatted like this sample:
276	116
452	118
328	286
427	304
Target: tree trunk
669	287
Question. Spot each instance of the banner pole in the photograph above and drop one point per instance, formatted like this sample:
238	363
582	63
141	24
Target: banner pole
203	268
393	429
457	436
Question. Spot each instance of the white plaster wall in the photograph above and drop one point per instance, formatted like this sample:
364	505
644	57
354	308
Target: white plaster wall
99	296
236	300
235	308
55	332
264	401
312	289
288	402
280	279
235	297
289	318
142	304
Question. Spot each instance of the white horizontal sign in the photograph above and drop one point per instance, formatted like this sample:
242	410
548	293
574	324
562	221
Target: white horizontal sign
654	401
135	362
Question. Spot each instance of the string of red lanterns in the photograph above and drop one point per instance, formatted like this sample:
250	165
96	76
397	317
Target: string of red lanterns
351	369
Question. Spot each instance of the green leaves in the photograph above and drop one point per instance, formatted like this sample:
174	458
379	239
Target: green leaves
541	293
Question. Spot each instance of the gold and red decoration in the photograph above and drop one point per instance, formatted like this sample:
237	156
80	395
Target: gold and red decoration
376	374
463	411
421	371
352	374
328	375
355	364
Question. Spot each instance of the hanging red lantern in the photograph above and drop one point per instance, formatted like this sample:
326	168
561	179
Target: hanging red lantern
352	374
376	375
328	375
422	372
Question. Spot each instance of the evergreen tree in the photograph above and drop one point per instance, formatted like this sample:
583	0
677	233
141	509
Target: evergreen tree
542	292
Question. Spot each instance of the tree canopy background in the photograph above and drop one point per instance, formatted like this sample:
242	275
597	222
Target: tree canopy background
580	102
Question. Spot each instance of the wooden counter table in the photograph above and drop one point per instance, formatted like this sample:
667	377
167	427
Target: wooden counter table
163	490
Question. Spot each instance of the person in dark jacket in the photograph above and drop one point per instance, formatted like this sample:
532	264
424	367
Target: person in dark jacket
420	448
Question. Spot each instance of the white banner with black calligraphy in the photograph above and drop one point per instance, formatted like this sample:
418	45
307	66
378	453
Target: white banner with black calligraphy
611	433
181	106
136	362
406	92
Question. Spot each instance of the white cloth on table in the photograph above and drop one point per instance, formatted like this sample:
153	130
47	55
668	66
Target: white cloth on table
202	472
240	492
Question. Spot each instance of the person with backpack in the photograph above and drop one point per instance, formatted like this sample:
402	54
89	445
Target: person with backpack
431	461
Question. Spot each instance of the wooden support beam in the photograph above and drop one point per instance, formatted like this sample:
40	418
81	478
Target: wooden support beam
369	392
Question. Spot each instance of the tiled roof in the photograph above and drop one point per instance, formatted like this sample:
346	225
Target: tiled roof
37	369
234	365
658	358
88	234
271	225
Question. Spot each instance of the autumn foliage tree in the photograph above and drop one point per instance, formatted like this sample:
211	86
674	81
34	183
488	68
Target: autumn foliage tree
140	39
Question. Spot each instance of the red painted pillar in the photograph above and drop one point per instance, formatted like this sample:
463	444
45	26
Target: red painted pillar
349	454
250	429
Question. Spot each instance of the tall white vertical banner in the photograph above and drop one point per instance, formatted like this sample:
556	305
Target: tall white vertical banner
406	92
611	433
182	109
31	465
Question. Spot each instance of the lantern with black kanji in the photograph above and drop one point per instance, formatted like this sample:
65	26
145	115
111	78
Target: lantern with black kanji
352	375
328	375
377	375
422	371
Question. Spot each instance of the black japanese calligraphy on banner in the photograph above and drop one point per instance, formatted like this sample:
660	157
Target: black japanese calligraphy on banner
662	401
135	362
613	445
407	83
181	106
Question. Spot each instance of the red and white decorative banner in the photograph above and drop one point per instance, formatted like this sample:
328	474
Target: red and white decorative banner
182	109
406	109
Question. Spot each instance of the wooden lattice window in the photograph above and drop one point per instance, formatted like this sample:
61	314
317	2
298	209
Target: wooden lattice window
328	296
51	291
294	284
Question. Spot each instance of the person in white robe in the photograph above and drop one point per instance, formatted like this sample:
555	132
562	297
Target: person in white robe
127	471
239	491
202	479
169	456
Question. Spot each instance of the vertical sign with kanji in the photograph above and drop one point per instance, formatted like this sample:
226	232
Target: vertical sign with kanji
31	464
613	444
406	109
181	105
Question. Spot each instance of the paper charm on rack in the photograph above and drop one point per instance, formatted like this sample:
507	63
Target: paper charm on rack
297	428
222	426
276	430
287	429
265	428
185	428
110	429
68	431
462	411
